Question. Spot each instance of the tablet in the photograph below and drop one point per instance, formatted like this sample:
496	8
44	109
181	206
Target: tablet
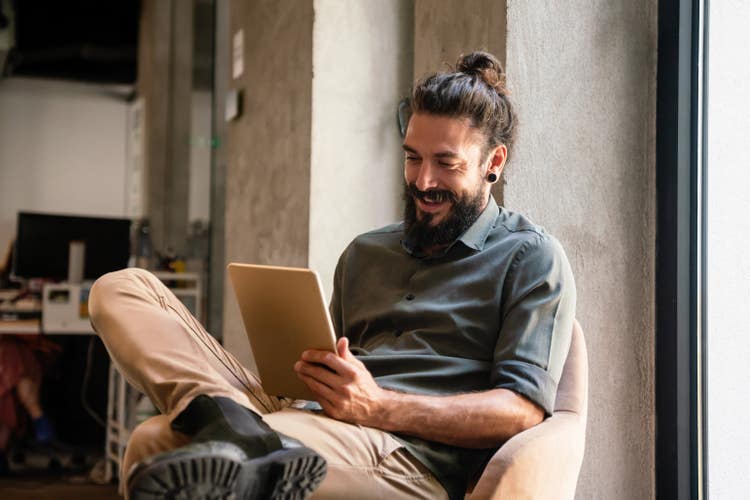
284	313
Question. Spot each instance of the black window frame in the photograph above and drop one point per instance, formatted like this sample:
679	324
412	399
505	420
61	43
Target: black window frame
681	462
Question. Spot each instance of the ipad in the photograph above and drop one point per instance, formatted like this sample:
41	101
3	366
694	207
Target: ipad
284	313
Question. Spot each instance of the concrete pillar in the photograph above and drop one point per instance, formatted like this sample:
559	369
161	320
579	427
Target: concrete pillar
268	174
165	83
445	29
177	189
155	33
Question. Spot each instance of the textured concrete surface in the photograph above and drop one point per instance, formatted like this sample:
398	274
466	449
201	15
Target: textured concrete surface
165	71
362	62
177	174
268	174
153	85
728	260
445	29
583	76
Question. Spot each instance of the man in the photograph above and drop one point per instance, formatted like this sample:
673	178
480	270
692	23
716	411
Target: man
454	327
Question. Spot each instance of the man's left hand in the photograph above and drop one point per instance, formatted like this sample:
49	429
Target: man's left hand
342	385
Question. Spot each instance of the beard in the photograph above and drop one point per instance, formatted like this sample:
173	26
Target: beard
463	213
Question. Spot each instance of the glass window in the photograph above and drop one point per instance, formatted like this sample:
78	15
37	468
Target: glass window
728	249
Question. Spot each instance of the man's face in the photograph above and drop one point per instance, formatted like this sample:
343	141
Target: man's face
445	185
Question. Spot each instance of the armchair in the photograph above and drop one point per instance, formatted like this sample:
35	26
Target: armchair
543	462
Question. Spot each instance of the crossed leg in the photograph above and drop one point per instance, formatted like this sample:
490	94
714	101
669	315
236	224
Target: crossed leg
163	351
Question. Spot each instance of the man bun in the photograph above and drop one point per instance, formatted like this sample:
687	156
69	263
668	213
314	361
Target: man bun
485	66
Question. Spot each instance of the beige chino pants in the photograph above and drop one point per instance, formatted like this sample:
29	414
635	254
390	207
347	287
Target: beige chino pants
163	351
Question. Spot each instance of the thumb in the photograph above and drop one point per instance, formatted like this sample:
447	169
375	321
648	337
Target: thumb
342	346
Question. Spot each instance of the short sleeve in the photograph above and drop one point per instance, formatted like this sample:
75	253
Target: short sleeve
537	309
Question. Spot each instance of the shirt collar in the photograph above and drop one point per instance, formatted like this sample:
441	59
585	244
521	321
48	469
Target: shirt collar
474	237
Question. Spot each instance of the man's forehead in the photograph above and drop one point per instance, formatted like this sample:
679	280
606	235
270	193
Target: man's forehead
441	134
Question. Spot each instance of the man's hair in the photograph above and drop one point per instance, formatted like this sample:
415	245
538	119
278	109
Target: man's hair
475	89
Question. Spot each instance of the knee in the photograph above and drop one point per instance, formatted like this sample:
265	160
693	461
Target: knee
103	294
149	438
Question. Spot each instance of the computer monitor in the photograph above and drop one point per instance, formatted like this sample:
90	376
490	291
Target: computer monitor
43	242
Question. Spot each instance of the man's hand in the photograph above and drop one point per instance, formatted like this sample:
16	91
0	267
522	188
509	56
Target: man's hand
346	391
342	385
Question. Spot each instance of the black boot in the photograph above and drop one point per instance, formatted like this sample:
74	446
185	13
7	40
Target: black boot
234	454
222	419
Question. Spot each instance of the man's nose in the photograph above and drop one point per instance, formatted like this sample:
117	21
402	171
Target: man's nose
427	177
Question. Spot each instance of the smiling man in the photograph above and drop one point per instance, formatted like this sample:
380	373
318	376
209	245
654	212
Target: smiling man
453	329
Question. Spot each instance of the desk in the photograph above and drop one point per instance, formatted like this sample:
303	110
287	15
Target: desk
21	326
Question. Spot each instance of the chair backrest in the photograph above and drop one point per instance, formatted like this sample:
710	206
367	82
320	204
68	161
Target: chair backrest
572	391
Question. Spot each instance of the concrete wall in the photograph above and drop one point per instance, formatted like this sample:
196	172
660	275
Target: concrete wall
445	29
583	77
362	64
268	174
62	150
728	259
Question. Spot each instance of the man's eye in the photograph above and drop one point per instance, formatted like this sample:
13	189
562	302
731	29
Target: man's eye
444	164
412	158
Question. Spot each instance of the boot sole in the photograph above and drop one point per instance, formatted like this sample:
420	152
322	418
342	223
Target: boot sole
218	470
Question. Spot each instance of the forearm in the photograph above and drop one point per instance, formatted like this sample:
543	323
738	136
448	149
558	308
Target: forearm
347	391
476	420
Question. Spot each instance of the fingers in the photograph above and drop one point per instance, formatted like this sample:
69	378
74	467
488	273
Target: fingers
319	373
323	393
343	347
331	360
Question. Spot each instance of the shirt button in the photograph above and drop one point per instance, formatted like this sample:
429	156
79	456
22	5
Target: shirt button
409	296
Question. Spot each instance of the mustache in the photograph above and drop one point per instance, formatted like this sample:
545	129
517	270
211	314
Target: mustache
431	195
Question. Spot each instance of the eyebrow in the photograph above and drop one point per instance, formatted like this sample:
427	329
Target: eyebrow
441	154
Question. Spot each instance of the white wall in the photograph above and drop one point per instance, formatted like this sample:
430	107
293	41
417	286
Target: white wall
62	149
728	250
362	59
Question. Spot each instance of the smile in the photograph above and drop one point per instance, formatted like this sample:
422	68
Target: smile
429	205
434	197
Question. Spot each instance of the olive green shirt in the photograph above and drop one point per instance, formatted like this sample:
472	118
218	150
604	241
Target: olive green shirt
493	310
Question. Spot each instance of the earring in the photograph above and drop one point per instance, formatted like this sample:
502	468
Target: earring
492	177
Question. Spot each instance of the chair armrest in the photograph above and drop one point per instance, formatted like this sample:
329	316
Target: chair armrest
540	463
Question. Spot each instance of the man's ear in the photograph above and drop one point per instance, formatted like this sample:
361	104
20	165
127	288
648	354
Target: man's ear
497	158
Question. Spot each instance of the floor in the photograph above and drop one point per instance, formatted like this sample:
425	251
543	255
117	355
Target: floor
55	475
56	488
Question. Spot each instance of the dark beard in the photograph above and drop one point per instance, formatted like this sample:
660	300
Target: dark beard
422	235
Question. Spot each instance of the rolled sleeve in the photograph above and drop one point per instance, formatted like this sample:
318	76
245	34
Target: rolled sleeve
537	310
335	306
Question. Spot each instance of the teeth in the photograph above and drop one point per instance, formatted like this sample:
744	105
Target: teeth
434	197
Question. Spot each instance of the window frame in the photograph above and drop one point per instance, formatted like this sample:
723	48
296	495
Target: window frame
681	462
